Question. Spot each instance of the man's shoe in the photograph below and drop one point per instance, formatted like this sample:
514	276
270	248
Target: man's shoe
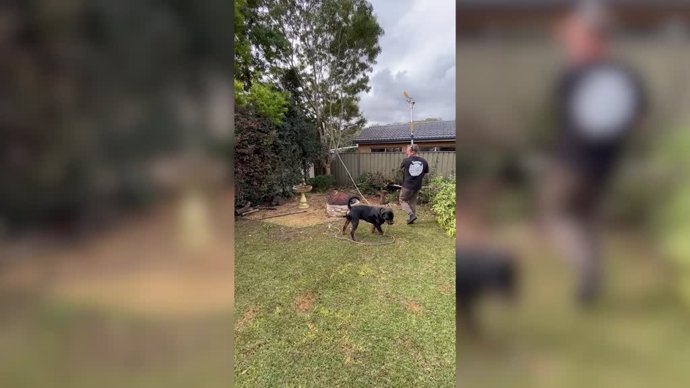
411	219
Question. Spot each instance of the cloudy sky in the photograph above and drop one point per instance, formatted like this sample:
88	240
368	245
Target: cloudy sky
417	55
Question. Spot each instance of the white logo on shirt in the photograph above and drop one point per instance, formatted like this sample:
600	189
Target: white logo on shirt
603	103
416	168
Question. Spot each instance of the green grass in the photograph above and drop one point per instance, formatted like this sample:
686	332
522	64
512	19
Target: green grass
48	344
637	337
315	311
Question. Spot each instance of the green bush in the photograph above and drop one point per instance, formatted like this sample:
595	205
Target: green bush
393	197
322	182
443	203
431	184
371	182
673	204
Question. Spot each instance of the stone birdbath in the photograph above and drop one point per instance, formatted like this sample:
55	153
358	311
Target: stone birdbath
301	189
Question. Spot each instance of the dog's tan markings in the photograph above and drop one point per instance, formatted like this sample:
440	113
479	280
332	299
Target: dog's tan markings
347	222
304	302
247	318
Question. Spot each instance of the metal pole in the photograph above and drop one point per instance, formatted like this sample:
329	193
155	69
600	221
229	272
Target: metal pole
410	102
411	124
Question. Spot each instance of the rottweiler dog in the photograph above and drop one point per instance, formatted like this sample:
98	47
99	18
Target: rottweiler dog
376	216
479	271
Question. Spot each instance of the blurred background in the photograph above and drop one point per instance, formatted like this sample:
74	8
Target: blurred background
636	334
116	205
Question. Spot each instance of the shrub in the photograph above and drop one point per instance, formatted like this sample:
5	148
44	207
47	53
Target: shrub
322	182
431	186
371	183
392	197
269	157
398	175
443	204
257	164
673	204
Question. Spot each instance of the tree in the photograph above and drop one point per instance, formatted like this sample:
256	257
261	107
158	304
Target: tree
333	46
301	131
258	44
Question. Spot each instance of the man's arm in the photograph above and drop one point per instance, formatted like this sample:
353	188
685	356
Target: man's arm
426	167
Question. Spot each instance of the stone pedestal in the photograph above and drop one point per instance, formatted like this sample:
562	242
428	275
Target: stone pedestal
301	189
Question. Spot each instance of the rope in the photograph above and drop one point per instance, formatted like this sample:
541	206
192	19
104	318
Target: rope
351	178
336	235
391	241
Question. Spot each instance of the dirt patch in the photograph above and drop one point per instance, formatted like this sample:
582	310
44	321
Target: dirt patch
178	291
247	318
304	303
314	215
352	353
447	288
139	265
413	307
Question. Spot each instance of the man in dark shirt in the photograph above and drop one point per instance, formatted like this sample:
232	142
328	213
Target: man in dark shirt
414	168
599	102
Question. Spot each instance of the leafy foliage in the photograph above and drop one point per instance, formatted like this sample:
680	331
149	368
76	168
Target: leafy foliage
371	182
431	184
267	101
322	182
271	158
392	197
80	126
257	165
443	204
302	131
674	203
259	43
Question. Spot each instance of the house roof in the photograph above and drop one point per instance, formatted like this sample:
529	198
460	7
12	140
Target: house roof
475	15
393	133
551	3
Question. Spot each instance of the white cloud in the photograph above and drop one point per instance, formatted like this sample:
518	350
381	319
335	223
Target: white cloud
417	55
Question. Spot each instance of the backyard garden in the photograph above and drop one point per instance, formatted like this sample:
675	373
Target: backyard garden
313	309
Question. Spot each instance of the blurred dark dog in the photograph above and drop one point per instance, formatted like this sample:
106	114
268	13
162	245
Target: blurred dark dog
376	216
479	272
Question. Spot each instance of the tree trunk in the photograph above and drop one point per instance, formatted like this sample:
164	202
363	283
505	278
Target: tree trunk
327	166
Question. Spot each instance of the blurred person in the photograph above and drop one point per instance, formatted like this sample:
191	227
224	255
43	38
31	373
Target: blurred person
599	102
414	168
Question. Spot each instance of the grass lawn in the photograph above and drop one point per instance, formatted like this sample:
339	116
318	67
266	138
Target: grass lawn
124	307
49	344
315	311
637	337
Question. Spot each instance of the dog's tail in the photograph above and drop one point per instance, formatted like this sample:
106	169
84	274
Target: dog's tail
349	201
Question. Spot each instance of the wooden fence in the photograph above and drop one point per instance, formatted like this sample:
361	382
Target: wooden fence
388	163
